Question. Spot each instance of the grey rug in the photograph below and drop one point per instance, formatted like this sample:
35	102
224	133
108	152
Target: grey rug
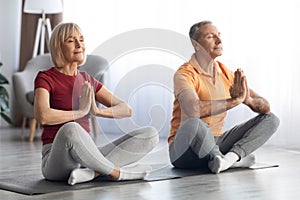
34	185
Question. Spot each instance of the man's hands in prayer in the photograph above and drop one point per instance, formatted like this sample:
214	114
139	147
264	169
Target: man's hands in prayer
240	89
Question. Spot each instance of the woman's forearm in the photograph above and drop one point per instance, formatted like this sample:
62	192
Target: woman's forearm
53	116
118	111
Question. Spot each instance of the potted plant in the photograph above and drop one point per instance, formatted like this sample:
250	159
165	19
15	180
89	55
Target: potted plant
4	99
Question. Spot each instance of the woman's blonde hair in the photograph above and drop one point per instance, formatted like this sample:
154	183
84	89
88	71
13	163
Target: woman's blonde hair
58	36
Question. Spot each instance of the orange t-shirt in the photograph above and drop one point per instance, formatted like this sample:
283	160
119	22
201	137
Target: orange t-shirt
190	76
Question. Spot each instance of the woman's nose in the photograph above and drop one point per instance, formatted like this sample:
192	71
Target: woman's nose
77	44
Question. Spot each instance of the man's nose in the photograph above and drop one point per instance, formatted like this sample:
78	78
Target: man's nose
218	39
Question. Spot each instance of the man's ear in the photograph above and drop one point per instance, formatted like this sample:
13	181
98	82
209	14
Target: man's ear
195	44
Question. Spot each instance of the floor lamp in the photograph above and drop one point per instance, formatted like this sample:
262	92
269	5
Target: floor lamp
42	7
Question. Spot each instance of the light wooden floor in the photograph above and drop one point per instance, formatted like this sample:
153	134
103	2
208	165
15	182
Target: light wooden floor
19	157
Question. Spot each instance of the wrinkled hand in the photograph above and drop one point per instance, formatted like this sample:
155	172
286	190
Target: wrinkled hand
85	99
239	89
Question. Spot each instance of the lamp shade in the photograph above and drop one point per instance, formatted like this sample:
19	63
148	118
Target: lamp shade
40	6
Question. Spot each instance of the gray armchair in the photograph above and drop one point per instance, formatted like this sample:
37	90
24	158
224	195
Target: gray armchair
23	83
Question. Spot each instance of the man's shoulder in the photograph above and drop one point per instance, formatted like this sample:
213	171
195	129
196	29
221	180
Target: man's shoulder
187	67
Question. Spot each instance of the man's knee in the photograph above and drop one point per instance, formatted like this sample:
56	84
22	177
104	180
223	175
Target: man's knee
194	121
273	121
193	127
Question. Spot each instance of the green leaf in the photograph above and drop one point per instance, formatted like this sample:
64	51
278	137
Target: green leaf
4	99
3	92
3	80
6	118
4	105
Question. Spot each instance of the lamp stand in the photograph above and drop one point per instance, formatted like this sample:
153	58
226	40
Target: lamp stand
40	34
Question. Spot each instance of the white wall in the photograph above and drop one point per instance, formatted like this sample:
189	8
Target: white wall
259	36
10	27
262	37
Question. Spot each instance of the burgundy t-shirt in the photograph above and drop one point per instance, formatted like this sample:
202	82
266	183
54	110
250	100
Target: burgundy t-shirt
64	93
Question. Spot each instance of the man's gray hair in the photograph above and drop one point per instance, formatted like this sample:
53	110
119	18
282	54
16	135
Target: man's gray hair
194	30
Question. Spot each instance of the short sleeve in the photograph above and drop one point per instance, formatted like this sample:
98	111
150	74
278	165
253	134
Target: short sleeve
42	81
183	80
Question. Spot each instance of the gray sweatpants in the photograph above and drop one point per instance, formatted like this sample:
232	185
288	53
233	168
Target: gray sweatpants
73	148
194	145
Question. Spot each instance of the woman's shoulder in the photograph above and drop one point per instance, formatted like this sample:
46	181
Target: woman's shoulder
44	73
47	71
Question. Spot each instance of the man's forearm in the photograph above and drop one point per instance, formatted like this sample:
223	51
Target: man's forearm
259	105
214	107
192	106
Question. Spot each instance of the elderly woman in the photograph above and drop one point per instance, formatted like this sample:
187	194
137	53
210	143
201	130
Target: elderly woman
65	97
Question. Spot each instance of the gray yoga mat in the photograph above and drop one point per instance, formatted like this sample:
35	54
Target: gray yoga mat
36	184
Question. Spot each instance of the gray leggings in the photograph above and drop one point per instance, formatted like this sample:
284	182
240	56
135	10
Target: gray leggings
194	144
73	148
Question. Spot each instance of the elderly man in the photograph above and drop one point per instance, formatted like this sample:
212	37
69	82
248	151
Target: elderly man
204	90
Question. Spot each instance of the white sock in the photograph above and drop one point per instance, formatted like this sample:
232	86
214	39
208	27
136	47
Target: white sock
219	164
80	175
247	161
215	164
135	172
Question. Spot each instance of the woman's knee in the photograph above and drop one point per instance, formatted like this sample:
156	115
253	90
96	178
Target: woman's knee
152	134
147	135
69	131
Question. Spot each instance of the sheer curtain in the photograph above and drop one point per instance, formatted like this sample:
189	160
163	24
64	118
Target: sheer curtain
262	37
